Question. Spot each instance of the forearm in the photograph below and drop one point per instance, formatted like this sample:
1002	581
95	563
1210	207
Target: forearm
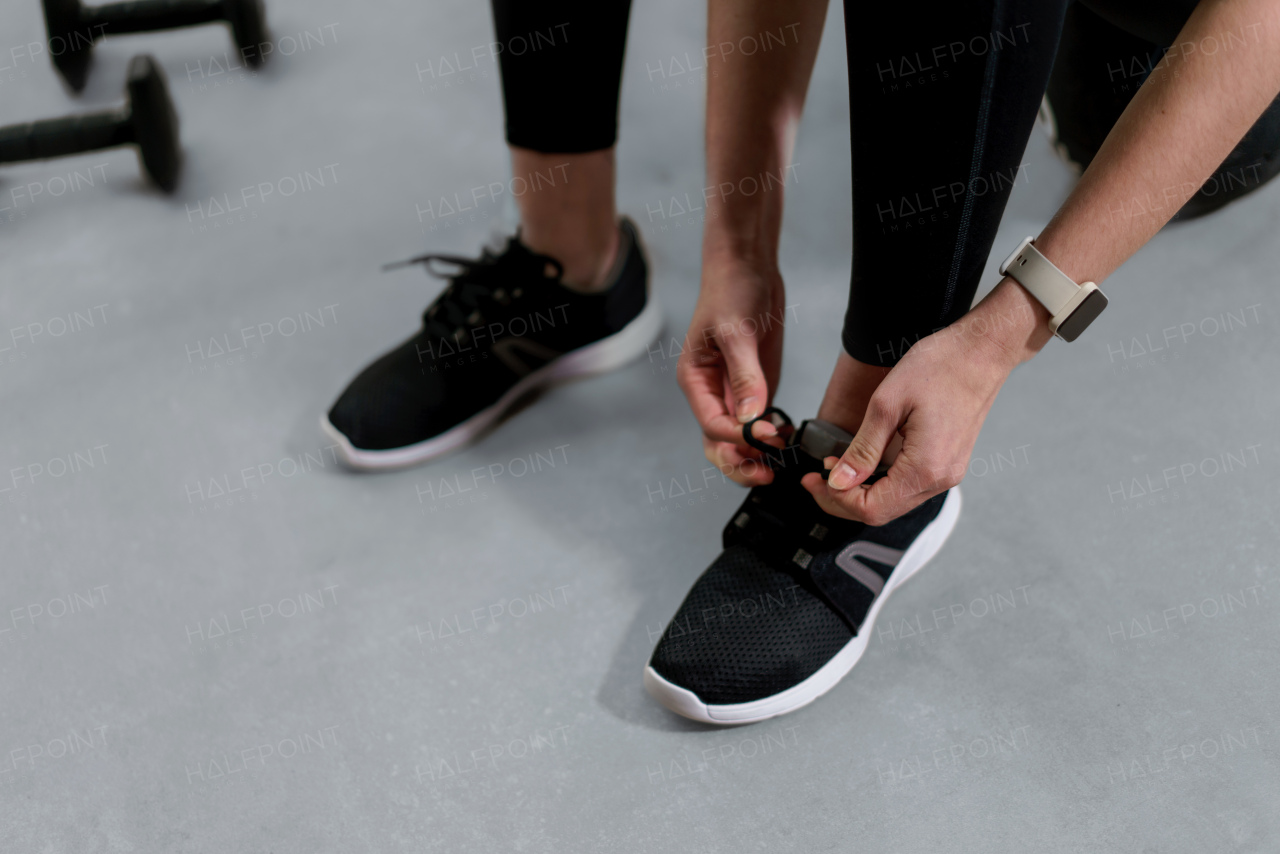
1184	121
754	102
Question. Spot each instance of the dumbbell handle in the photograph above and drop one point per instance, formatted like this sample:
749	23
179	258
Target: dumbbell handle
59	137
141	16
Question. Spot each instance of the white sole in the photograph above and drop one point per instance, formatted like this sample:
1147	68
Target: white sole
596	358
684	702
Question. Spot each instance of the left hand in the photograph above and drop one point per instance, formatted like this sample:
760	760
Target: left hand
936	399
730	370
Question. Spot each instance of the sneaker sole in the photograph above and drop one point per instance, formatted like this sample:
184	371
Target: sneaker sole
684	702
599	357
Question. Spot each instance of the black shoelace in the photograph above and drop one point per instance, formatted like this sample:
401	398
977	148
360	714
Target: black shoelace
477	287
790	513
775	458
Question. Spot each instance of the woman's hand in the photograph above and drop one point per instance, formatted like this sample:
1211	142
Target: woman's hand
936	399
731	359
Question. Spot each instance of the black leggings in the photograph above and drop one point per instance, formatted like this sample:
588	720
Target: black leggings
543	43
942	101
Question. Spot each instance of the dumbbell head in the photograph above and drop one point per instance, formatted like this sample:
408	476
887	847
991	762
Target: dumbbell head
146	120
70	45
154	122
73	27
248	23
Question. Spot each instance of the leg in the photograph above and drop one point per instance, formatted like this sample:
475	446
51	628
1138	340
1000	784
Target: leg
561	71
574	220
550	305
940	113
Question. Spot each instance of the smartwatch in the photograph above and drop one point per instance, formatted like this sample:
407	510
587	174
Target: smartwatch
1073	306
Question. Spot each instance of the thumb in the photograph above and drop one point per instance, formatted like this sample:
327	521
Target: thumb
864	453
746	377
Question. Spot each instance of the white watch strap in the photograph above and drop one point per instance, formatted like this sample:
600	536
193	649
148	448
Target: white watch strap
1052	287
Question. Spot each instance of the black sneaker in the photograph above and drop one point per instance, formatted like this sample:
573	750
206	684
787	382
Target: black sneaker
786	610
503	326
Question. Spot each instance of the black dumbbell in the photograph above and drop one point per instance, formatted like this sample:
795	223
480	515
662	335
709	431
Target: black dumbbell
146	120
73	28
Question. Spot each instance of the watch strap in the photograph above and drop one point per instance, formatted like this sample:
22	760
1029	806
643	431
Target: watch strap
1072	307
1053	288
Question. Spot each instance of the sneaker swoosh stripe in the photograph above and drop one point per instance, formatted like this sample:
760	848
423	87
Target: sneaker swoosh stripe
860	572
508	350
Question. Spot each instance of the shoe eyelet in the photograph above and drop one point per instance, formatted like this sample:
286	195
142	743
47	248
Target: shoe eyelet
474	318
517	293
742	520
819	532
802	558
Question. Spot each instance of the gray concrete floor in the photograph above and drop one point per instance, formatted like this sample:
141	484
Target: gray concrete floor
309	663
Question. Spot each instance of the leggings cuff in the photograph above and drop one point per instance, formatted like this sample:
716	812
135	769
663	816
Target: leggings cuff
555	142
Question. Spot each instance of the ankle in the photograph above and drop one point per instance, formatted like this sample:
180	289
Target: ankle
849	391
569	212
587	258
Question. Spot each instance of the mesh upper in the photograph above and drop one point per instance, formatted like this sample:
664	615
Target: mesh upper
428	384
747	631
398	400
760	620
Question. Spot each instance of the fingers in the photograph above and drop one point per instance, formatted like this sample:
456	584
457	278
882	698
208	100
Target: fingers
905	486
724	385
879	426
747	386
741	465
701	375
877	504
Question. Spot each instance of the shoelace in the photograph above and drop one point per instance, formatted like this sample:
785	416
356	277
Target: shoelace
475	286
791	516
775	458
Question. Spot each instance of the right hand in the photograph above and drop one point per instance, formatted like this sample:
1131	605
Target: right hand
731	362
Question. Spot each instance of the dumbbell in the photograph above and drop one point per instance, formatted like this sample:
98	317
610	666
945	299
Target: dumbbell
73	28
146	119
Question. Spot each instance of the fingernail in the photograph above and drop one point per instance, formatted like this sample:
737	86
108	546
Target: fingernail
764	430
747	409
841	476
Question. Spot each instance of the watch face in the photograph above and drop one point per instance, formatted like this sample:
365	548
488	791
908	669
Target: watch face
1085	313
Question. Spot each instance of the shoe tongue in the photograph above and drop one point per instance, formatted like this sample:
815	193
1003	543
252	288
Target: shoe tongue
821	439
